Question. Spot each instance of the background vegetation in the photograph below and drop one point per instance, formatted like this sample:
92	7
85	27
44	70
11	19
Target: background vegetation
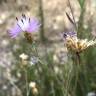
56	72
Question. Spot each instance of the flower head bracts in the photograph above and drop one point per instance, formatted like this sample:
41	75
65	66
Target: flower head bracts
24	24
69	34
77	45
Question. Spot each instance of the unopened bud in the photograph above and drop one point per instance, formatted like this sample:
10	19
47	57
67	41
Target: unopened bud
35	91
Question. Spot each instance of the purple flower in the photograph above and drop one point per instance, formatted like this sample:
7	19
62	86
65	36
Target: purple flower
24	24
70	34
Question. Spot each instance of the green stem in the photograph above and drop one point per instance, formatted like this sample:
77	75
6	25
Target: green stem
26	78
68	82
77	65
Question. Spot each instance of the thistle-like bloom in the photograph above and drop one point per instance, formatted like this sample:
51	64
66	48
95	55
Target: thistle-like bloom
24	24
75	44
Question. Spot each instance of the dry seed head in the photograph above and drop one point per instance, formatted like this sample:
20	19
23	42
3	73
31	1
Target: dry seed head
78	45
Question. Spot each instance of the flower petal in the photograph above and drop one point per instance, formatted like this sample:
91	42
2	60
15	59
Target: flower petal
72	34
15	31
33	25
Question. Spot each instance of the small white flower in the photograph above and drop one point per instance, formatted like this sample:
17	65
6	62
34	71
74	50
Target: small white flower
18	74
32	84
91	94
23	56
4	87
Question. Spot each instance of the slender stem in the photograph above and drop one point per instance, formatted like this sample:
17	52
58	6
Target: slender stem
77	69
61	83
68	81
26	78
78	58
28	93
52	87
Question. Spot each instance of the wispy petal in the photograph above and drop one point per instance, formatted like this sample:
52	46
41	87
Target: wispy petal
33	25
14	31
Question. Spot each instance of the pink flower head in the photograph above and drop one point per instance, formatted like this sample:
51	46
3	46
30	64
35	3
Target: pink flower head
24	24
